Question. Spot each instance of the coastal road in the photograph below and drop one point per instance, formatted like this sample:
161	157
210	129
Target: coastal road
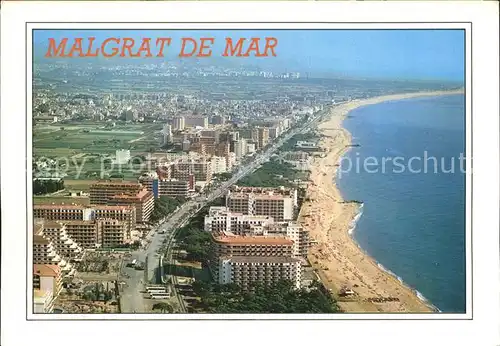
131	298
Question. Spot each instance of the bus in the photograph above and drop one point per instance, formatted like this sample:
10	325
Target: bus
157	291
160	295
155	288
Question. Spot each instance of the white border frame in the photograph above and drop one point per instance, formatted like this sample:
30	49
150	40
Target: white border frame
271	26
482	330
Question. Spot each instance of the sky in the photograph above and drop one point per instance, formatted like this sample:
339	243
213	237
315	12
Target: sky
387	54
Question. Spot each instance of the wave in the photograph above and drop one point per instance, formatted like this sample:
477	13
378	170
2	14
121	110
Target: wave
420	296
352	227
354	222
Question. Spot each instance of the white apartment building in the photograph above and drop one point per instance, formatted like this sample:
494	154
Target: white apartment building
250	148
219	164
266	202
221	219
63	243
246	270
42	302
167	134
178	123
290	230
240	148
44	252
274	132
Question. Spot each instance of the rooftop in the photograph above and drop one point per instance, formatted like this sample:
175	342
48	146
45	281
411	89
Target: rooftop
40	239
263	196
262	259
140	195
46	270
79	222
58	206
251	240
40	295
80	207
116	183
37	228
52	224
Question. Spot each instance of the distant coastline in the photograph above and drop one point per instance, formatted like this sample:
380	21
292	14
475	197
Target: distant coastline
337	258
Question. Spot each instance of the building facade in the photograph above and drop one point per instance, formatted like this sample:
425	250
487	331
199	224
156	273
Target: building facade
263	137
102	192
62	212
142	200
63	243
200	168
44	252
278	206
246	260
290	230
42	302
221	219
165	187
112	232
193	121
47	277
246	271
178	123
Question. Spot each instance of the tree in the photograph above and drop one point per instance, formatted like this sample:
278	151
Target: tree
163	307
281	297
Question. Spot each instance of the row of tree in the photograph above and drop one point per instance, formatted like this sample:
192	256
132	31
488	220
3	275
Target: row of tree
281	297
164	206
290	144
42	187
193	239
267	175
163	307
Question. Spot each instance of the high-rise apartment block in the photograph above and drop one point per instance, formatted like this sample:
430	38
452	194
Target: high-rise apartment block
74	213
123	194
263	137
57	233
165	187
246	260
143	202
101	192
290	230
221	219
277	203
44	252
193	121
200	168
178	123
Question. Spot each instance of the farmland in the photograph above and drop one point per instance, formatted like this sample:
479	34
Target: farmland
93	138
85	150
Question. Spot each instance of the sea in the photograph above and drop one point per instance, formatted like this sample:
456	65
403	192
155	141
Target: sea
408	172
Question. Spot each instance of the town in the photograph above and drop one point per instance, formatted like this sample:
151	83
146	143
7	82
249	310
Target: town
170	197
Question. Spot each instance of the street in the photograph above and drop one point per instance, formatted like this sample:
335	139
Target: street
131	298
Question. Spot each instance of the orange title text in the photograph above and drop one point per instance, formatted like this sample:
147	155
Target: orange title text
126	47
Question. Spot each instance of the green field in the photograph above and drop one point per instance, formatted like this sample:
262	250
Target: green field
94	138
89	147
61	200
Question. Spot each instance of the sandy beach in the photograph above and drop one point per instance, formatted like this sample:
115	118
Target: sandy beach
335	255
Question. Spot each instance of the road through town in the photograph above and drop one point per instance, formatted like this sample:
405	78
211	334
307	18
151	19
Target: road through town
131	300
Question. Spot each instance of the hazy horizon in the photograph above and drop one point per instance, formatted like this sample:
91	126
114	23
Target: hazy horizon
413	55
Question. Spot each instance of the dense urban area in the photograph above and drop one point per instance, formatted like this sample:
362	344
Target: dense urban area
175	188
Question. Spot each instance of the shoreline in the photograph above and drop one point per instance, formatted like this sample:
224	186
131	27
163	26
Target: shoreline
336	256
